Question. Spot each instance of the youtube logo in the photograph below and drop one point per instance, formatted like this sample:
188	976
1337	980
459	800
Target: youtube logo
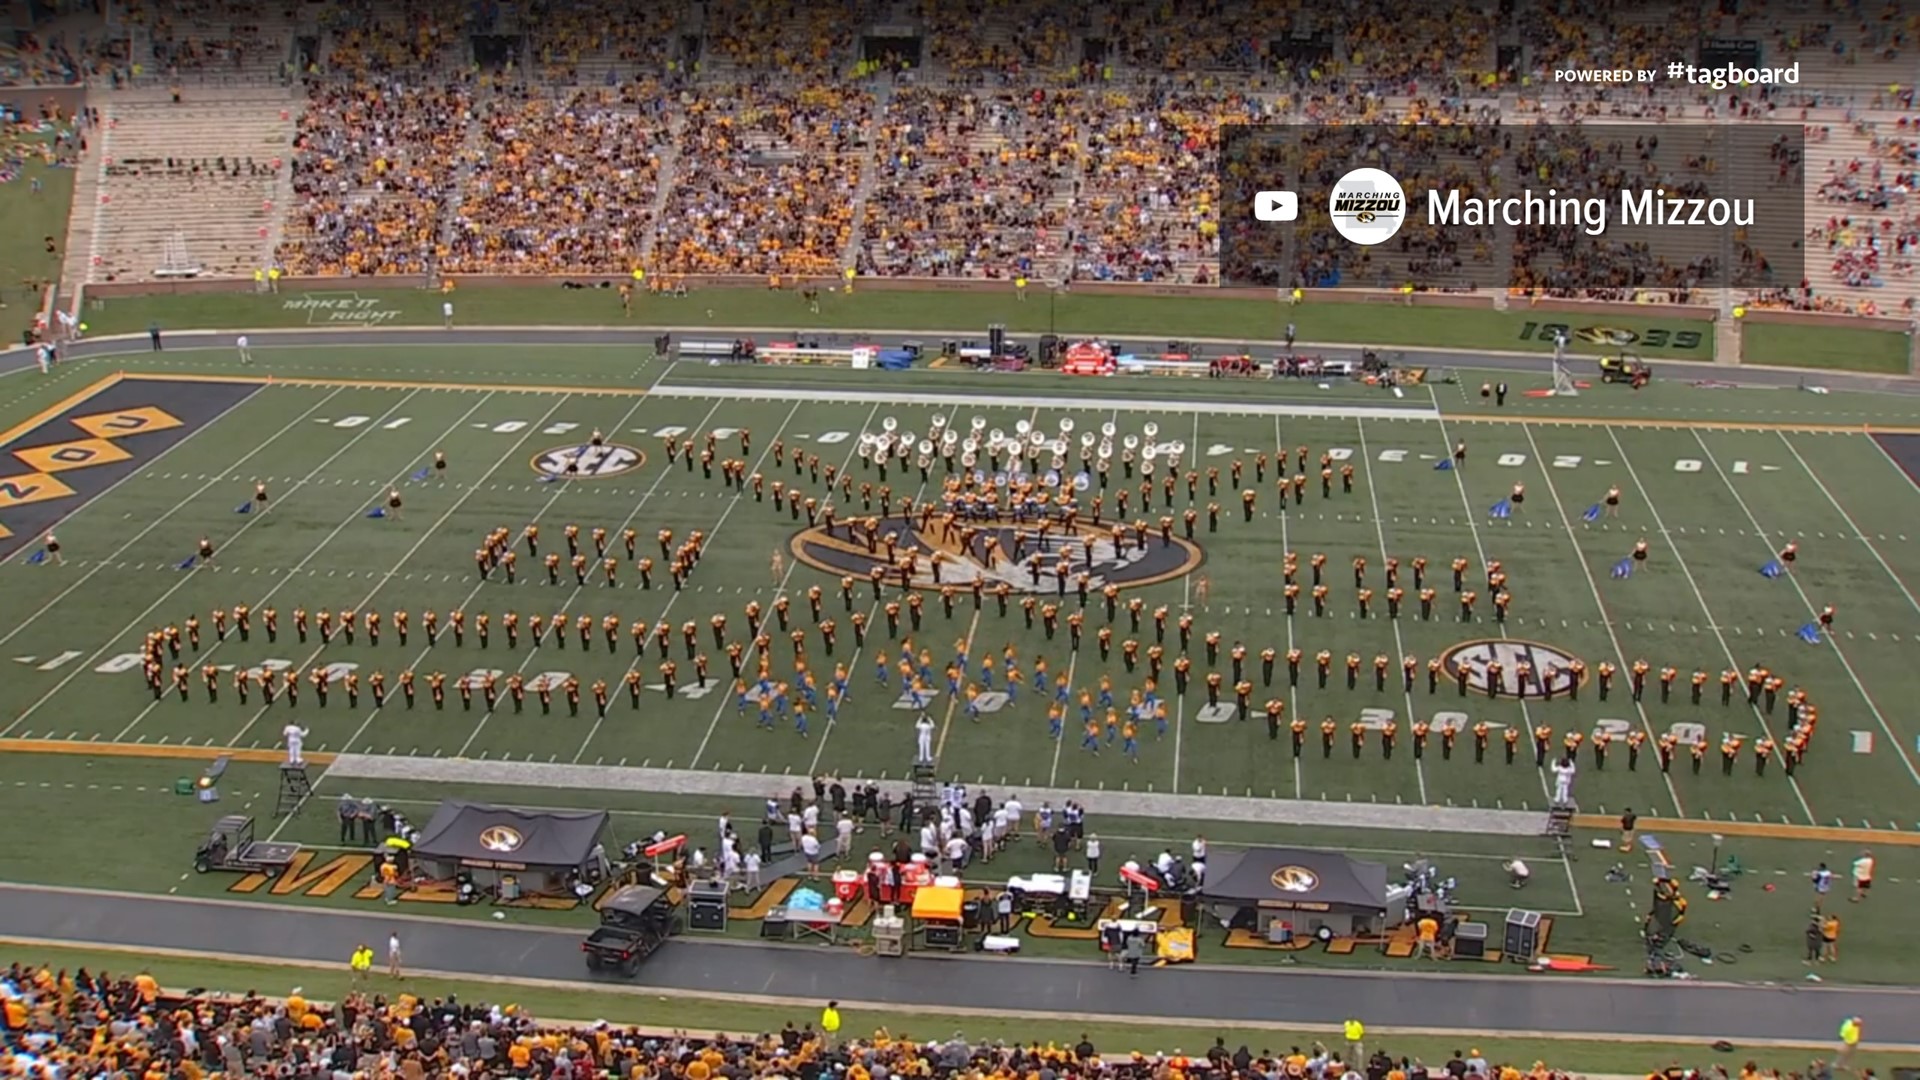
1276	206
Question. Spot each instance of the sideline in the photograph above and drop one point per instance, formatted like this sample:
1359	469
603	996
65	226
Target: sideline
663	781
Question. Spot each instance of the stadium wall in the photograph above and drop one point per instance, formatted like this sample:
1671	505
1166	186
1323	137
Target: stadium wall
1470	301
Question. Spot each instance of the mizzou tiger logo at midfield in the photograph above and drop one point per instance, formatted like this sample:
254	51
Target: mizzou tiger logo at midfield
844	551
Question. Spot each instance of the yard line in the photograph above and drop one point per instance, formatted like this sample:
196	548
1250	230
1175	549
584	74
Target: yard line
480	585
674	598
444	517
425	652
1593	586
1066	718
1852	676
218	476
780	589
853	667
1399	642
144	466
1473	526
1844	516
1712	623
134	624
297	567
1186	605
1293	692
973	628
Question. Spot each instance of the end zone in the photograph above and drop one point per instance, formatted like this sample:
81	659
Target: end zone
57	461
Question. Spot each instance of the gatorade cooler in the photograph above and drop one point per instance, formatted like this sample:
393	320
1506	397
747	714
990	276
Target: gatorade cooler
847	886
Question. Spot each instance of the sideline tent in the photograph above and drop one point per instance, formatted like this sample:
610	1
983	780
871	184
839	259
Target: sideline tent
1307	889
540	847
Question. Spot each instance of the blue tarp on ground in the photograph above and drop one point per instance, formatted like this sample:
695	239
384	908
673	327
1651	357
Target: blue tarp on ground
894	359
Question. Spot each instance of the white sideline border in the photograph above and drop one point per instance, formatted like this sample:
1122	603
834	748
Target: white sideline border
1145	403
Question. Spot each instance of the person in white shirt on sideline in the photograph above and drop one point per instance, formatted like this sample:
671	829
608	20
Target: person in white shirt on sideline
1014	810
446	315
810	818
929	841
1199	849
843	833
810	847
1093	854
957	854
752	864
246	349
794	828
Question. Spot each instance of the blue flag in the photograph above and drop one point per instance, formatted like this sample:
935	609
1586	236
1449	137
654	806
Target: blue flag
1501	510
187	563
425	471
37	557
377	512
1810	633
244	508
1622	569
1592	514
1443	465
1773	569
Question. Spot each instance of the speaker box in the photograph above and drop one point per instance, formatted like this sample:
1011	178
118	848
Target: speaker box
1522	937
1470	941
707	906
775	926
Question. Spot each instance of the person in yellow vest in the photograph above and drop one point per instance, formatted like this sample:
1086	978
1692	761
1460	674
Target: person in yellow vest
830	1022
1020	287
259	281
848	274
273	278
361	963
1850	1031
1356	1033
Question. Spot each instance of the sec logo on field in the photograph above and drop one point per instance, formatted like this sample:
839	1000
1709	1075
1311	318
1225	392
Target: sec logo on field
1474	656
589	462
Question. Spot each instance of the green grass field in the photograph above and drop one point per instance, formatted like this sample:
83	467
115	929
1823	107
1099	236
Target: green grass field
26	219
1663	335
1715	502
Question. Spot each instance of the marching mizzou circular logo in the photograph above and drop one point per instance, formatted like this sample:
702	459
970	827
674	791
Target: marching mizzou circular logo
500	839
1606	335
589	462
1474	658
1295	879
994	552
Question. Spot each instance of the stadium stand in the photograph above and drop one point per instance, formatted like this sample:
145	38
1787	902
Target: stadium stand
80	1023
187	189
1035	141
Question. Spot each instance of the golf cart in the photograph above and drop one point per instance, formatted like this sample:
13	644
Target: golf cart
634	921
1625	368
230	846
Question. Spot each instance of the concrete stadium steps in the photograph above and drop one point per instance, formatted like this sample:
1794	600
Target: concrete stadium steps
1848	142
148	201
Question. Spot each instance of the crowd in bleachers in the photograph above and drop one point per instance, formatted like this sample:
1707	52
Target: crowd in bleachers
765	180
374	168
61	1023
561	186
1040	143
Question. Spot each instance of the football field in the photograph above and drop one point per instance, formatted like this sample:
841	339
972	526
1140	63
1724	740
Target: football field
138	470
